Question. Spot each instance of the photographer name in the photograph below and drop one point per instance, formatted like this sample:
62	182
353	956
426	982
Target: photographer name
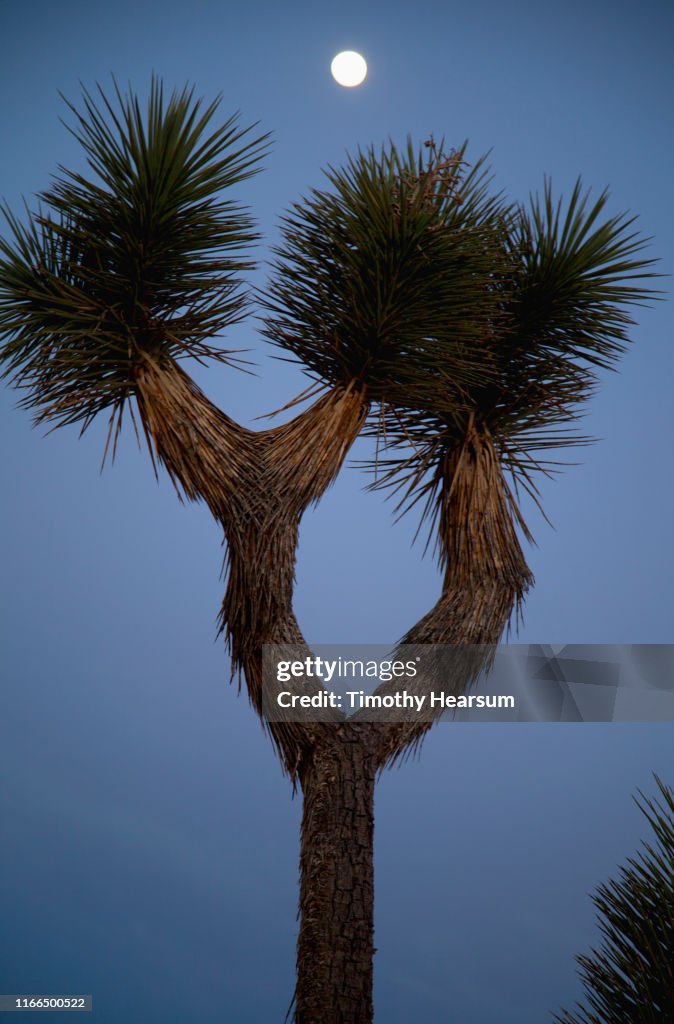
356	699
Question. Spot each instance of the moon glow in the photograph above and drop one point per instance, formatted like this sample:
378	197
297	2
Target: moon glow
348	68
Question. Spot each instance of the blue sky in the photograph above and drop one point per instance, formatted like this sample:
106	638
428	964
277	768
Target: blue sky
150	841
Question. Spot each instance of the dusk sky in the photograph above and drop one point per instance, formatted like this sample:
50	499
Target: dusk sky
149	840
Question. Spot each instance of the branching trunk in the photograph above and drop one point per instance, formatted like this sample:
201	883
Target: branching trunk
257	485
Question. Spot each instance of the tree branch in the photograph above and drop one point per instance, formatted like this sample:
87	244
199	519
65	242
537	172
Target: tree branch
257	485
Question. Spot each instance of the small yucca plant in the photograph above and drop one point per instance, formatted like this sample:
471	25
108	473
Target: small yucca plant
630	978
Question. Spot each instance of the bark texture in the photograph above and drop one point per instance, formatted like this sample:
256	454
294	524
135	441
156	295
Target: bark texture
335	946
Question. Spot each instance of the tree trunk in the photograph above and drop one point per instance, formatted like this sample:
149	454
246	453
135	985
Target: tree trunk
335	945
257	485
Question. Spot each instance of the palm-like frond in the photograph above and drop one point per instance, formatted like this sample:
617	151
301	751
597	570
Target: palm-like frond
143	256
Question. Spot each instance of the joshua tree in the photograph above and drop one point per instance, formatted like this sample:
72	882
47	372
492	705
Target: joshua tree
630	979
462	330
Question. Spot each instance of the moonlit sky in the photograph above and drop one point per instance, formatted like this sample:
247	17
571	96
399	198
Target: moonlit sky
149	851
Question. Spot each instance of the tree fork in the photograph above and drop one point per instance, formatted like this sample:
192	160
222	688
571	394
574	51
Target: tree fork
257	485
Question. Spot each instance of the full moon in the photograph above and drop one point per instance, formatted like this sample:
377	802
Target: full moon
348	68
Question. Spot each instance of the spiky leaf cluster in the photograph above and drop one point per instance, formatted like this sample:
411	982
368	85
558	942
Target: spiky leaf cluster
561	317
141	255
630	978
565	316
386	277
